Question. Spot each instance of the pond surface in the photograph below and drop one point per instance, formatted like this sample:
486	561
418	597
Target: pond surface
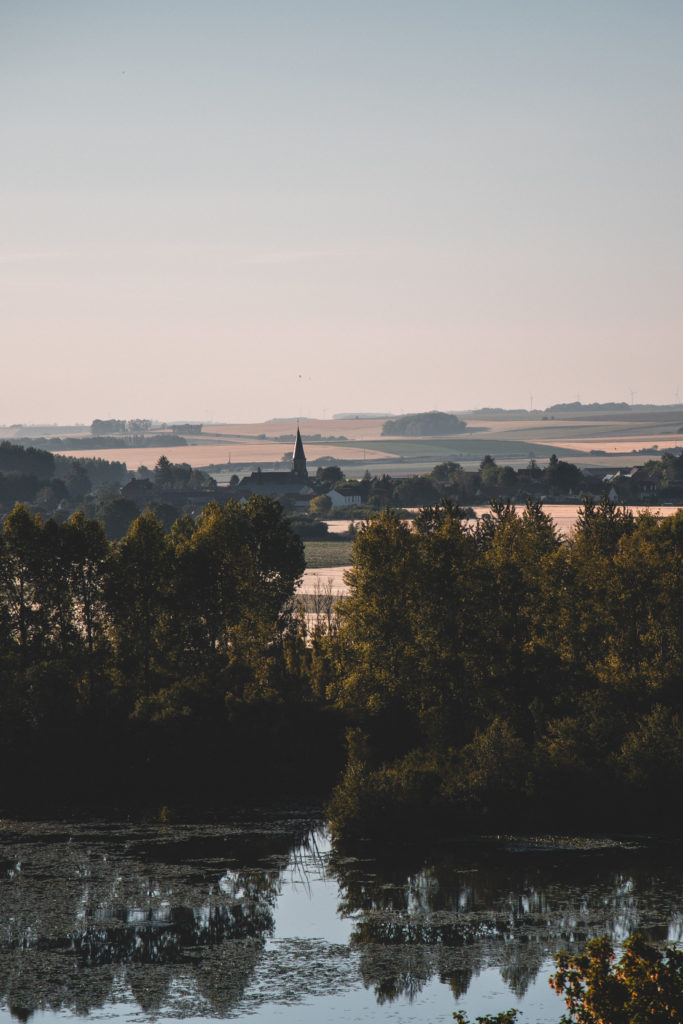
265	920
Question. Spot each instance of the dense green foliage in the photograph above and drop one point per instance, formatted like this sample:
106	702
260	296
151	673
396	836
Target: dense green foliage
158	669
645	986
169	475
487	676
44	480
15	458
498	677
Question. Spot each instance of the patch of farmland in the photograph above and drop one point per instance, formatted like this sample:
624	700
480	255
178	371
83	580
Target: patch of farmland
315	580
568	434
263	453
621	445
195	456
443	449
326	554
354	429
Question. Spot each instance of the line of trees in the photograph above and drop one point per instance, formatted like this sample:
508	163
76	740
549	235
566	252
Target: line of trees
70	444
556	479
48	482
485	676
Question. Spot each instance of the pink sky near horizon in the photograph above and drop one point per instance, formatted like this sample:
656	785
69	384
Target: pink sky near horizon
234	212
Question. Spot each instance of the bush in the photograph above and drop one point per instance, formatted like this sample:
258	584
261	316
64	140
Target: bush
388	802
644	985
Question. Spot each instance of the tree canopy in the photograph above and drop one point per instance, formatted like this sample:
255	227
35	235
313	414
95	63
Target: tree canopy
423	424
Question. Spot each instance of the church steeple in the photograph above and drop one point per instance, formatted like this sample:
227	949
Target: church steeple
299	459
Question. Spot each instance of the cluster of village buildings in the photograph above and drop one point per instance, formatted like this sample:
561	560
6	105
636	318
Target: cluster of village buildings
293	487
296	489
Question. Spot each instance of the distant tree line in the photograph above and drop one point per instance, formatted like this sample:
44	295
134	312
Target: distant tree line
68	444
182	428
137	426
423	424
44	480
555	480
100	428
467	487
15	458
589	407
55	485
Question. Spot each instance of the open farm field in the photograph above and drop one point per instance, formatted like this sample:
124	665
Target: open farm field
325	554
463	446
319	579
274	453
353	429
623	445
609	440
195	455
568	432
263	453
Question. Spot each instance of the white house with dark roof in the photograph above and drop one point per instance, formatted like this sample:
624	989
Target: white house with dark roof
343	496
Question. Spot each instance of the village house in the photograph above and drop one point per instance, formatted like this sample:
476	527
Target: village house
635	484
343	496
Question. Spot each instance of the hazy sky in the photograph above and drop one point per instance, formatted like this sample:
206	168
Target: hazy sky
237	209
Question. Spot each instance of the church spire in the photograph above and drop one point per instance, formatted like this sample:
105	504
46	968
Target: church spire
299	459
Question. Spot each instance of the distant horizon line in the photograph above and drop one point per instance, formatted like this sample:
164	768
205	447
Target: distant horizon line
575	406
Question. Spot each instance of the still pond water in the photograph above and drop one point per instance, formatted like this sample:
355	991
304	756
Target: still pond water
264	920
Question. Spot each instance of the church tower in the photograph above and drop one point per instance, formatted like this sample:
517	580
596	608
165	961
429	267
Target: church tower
299	459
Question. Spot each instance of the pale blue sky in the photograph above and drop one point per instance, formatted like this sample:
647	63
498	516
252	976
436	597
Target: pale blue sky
238	210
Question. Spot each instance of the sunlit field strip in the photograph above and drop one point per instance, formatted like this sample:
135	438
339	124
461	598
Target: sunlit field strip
265	453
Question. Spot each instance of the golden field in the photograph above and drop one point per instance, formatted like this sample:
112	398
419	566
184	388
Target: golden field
263	453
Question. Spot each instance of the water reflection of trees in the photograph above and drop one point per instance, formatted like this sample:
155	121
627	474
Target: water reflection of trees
503	906
177	919
121	913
